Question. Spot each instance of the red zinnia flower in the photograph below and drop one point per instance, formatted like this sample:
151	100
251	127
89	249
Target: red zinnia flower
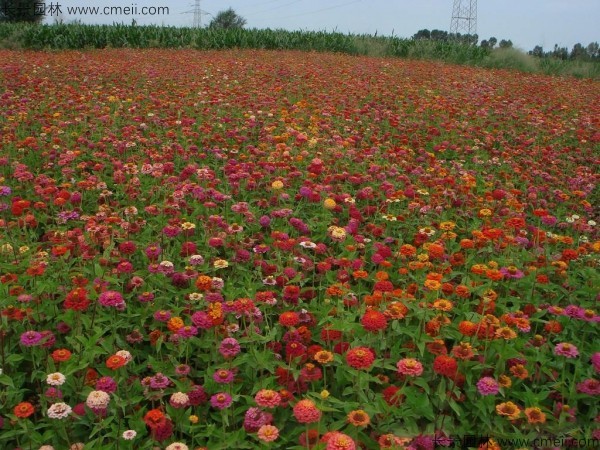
445	365
374	320
328	335
360	357
77	300
289	319
155	418
391	395
61	355
115	361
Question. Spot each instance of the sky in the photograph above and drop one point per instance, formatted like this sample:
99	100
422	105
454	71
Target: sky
526	23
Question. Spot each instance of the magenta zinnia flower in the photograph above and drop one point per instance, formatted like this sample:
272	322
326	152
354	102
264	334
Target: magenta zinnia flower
223	376
31	338
111	298
106	384
487	386
511	272
159	381
566	349
589	386
596	361
221	400
229	347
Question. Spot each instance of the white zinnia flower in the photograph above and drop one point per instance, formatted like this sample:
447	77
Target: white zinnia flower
59	411
55	379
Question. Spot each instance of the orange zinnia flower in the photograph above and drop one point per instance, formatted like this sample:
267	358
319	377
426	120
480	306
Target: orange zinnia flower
359	418
509	410
24	410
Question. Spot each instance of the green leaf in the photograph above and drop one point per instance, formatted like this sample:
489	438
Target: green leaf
7	381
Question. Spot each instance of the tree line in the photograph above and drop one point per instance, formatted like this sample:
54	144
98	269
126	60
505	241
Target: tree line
591	52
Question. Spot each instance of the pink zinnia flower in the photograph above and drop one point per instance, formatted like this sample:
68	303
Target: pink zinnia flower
267	398
268	433
255	418
566	349
589	386
223	376
221	400
305	411
488	386
409	366
340	441
229	347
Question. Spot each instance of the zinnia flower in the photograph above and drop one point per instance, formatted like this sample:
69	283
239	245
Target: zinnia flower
268	433
111	298
305	411
229	347
24	410
97	400
445	365
535	415
340	441
55	379
31	338
509	410
373	320
487	386
221	400
359	418
129	435
409	366
59	411
267	398
177	446
589	386
360	357
565	349
179	400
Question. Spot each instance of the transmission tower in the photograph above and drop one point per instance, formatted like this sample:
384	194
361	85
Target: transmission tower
464	17
198	13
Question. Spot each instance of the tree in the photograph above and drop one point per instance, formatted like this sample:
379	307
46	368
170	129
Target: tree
227	19
578	52
439	35
560	52
21	11
422	34
484	44
538	51
593	50
492	41
505	44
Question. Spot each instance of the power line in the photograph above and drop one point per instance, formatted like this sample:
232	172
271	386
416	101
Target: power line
276	7
320	10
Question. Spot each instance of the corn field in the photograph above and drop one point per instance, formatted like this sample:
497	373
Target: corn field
79	36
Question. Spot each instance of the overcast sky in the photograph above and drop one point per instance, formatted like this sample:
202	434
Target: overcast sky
526	22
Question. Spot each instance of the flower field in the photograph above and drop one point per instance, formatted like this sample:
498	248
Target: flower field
259	249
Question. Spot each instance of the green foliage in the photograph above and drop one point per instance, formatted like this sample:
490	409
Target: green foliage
21	11
227	19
